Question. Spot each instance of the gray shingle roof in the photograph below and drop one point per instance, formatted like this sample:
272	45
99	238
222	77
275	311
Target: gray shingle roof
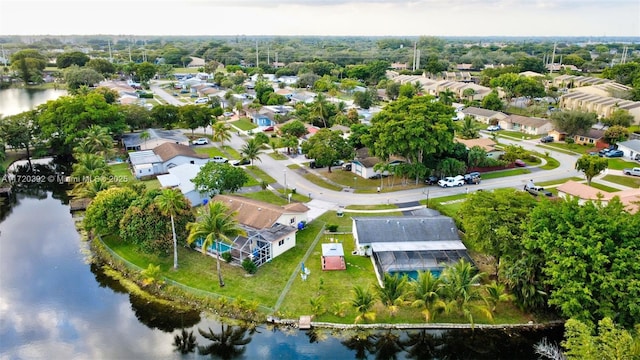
405	229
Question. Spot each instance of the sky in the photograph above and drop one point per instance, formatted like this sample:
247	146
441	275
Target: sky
322	17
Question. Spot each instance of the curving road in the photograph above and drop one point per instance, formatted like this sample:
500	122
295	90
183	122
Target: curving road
332	199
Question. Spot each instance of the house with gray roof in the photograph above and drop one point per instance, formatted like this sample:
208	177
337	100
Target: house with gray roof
526	124
630	148
408	244
135	142
484	115
162	158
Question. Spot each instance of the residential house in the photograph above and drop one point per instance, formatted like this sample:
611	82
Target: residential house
630	198
483	115
530	74
263	117
363	163
164	157
591	137
408	244
526	124
156	137
486	144
630	148
557	135
271	229
180	177
196	62
306	97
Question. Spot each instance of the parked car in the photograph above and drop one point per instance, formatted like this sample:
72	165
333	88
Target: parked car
346	166
519	163
614	153
634	171
451	181
202	100
219	159
431	180
537	191
337	163
546	139
242	161
472	178
315	165
228	113
268	128
494	128
200	141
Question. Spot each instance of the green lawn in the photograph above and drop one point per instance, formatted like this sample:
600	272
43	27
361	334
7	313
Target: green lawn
630	181
267	196
277	156
121	170
320	182
211	151
504	173
619	164
572	148
517	135
259	174
244	124
558	182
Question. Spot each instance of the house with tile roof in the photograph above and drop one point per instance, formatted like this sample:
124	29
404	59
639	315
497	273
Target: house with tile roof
630	198
591	137
526	124
271	229
408	244
486	144
484	115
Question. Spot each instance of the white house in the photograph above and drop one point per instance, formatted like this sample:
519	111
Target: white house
631	149
162	158
156	137
180	177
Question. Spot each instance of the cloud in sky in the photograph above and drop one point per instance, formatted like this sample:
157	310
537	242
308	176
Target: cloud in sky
323	17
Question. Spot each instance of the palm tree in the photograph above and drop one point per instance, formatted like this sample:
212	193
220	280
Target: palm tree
496	292
320	108
169	202
426	293
221	132
461	286
363	301
392	291
89	165
89	189
185	342
215	223
252	150
469	130
228	344
96	140
446	97
144	136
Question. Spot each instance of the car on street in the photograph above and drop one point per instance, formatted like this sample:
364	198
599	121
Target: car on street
519	163
614	153
538	191
472	178
546	139
241	162
228	114
200	141
202	100
219	159
451	181
494	128
431	180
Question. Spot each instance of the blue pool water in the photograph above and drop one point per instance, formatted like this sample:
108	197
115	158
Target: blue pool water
413	275
223	247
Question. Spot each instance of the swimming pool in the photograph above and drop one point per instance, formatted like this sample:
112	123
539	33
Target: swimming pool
223	246
413	275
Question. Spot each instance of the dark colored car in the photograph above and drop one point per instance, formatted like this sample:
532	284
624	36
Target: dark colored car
315	165
431	180
472	178
242	162
547	139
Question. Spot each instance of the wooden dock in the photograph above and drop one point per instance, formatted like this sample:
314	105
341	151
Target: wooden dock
79	204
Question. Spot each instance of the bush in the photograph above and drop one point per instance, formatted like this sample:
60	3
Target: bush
332	228
226	256
249	266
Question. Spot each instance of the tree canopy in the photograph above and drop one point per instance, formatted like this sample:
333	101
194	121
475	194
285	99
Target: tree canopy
215	178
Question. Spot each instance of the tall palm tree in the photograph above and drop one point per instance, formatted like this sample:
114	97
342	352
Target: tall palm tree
169	202
320	108
363	300
461	286
426	294
252	150
392	292
215	223
220	132
469	129
144	136
229	343
446	97
89	189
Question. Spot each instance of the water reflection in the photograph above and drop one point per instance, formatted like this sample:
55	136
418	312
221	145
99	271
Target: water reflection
16	100
229	343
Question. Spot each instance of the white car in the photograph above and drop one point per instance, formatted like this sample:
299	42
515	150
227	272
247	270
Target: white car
451	181
494	128
219	159
200	141
202	100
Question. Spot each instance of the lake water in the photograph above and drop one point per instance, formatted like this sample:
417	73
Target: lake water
56	304
16	100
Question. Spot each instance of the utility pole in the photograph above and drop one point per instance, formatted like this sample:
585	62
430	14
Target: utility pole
110	55
257	59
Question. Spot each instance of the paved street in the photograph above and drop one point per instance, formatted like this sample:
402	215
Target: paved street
331	200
